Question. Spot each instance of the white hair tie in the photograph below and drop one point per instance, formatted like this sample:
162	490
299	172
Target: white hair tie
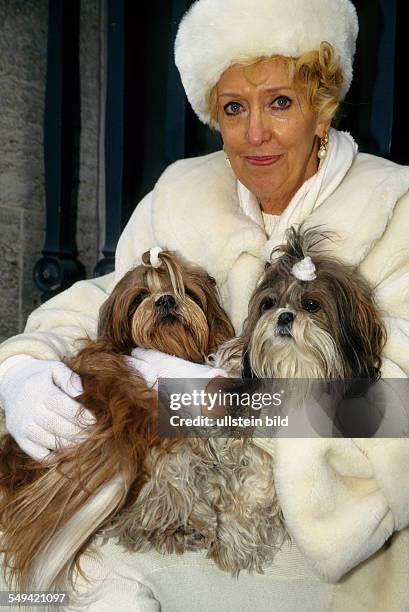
154	260
304	270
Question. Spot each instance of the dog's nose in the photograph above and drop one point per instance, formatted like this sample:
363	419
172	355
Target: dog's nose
166	301
285	318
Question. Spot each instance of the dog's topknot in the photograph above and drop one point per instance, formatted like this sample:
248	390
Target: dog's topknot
151	257
300	243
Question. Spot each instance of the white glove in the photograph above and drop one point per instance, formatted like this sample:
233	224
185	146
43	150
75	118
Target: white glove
37	397
154	364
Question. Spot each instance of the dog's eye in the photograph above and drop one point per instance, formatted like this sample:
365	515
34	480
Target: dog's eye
139	299
310	305
267	304
194	297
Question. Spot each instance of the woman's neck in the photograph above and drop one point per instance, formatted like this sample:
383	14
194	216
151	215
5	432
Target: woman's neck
273	207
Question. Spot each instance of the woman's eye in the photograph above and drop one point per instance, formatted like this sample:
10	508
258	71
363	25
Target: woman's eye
267	304
282	102
232	108
310	305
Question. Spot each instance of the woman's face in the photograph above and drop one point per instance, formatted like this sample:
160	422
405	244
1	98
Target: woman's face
270	135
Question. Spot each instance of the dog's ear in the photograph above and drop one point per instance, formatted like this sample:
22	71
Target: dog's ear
115	315
363	334
220	327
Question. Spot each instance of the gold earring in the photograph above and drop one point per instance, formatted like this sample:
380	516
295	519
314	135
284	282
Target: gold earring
322	151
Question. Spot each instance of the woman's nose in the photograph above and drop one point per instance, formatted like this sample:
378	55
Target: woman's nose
258	130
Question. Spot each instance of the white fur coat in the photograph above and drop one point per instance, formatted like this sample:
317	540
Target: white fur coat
341	499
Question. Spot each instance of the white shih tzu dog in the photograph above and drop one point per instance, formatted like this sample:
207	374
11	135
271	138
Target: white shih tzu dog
310	316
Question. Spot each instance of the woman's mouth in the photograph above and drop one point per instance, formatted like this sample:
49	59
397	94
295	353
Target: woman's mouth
263	160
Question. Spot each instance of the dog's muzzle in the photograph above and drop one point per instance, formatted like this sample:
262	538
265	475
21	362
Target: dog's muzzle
285	323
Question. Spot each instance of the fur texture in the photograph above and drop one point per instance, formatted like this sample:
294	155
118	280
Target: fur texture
215	34
217	495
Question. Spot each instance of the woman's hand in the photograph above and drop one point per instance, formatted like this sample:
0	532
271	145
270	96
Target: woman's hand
38	399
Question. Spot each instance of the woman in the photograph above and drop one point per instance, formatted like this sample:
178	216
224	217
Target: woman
282	164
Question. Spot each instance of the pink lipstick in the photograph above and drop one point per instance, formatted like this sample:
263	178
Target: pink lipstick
263	160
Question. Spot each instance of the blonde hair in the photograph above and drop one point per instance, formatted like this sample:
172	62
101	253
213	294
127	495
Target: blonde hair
316	75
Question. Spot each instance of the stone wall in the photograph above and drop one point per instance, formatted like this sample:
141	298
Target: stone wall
23	56
23	44
89	232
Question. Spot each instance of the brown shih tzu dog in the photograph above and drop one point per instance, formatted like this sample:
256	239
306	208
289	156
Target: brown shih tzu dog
48	514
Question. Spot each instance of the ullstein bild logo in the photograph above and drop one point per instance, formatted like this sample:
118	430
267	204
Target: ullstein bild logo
283	408
228	421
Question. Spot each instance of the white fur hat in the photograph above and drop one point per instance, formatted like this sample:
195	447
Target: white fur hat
214	34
